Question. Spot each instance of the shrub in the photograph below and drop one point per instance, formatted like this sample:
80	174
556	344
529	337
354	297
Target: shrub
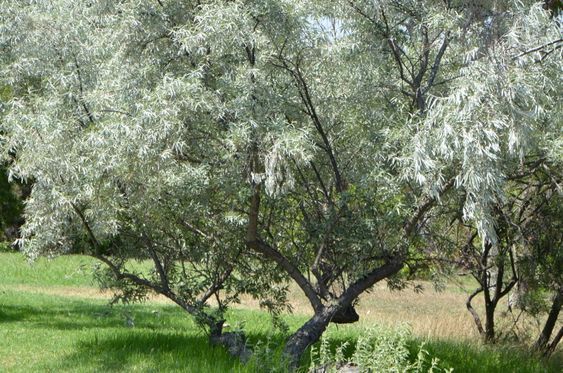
5	247
377	350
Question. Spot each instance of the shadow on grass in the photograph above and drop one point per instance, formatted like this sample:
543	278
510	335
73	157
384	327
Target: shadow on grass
81	316
166	339
62	318
9	315
163	338
149	351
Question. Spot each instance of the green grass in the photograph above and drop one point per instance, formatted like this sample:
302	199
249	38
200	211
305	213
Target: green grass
47	333
71	270
42	332
471	357
463	356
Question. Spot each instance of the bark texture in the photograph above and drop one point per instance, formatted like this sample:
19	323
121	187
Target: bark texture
542	343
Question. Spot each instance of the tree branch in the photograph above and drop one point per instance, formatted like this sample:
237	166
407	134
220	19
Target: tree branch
437	62
423	207
539	48
377	274
473	312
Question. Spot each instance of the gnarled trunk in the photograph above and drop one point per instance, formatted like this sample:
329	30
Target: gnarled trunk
342	308
306	335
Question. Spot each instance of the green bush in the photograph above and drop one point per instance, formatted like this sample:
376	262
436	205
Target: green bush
377	350
267	357
5	247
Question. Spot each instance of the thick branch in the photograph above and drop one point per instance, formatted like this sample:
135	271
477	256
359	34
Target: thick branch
254	242
93	240
380	273
304	93
473	312
271	253
423	207
81	88
318	125
536	49
437	62
159	268
216	286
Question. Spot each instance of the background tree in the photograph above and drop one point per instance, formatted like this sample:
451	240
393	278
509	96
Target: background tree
500	127
540	257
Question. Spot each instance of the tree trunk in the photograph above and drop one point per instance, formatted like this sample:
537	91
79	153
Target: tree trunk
551	347
541	343
306	335
234	342
474	313
341	309
489	336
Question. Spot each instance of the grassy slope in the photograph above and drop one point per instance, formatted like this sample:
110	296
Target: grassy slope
48	332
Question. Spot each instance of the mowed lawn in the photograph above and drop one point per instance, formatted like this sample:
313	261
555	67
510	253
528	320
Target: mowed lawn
53	318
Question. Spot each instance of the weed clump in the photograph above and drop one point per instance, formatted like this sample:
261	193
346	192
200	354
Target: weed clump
376	350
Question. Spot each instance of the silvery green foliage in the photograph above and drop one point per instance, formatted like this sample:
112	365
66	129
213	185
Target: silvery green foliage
138	119
133	120
153	129
142	116
503	107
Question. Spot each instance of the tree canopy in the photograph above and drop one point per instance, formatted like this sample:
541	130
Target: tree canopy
239	144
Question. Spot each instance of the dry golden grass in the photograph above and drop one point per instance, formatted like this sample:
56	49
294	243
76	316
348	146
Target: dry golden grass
429	314
77	292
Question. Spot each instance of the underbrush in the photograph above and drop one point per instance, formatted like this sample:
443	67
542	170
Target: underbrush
375	350
80	334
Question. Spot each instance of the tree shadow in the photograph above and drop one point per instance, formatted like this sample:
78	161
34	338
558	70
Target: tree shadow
77	316
7	314
163	339
152	351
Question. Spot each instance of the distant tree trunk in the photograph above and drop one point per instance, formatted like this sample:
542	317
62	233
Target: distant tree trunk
542	343
474	313
492	285
551	347
489	336
488	331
